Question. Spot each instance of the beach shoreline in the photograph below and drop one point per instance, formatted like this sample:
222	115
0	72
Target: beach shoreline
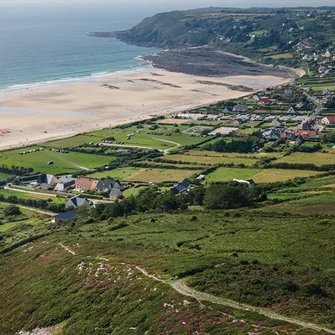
39	114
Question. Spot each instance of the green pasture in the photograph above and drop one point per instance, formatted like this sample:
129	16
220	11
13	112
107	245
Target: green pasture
258	175
63	163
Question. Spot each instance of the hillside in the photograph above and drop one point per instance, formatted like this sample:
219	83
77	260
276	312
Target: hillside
267	35
136	274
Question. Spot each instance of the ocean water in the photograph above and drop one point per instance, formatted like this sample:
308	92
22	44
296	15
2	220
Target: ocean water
40	43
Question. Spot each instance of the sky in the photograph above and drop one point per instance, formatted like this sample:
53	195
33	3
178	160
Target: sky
183	4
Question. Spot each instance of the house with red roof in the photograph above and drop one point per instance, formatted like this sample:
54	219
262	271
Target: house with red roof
328	120
85	184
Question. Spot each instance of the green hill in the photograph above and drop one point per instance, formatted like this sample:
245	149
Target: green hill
258	33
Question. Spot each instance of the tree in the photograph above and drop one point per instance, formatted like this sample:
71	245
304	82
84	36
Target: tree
12	211
227	197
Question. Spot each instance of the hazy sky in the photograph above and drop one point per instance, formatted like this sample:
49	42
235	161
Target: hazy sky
174	4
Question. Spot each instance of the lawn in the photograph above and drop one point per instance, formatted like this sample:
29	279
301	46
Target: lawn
317	158
133	191
258	175
63	163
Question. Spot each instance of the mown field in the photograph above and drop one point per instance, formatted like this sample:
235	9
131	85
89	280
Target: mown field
139	138
317	158
258	175
211	160
146	175
32	195
63	163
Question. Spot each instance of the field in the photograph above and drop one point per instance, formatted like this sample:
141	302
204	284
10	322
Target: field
162	175
212	160
258	175
317	158
146	175
121	173
318	203
33	195
63	163
140	138
26	218
4	176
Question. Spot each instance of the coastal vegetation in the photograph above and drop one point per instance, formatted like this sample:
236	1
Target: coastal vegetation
222	219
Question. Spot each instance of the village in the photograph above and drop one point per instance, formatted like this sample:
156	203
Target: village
179	151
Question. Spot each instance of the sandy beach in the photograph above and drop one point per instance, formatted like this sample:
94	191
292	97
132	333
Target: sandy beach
34	115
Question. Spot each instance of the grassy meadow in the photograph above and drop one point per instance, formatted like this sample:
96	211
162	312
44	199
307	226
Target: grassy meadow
224	174
63	163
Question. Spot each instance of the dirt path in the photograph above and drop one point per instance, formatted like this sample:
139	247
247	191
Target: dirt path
166	151
29	192
181	287
67	249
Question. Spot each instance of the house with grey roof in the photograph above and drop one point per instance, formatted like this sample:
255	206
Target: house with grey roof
47	181
115	194
65	182
105	185
77	201
183	186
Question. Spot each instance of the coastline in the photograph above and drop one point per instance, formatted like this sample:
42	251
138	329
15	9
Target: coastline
38	114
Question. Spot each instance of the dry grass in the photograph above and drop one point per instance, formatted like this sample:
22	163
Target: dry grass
212	160
275	175
282	56
317	158
161	175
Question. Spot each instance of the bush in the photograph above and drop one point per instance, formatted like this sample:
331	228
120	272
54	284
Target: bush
12	211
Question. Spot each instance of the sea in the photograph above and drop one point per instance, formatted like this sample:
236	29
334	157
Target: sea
43	44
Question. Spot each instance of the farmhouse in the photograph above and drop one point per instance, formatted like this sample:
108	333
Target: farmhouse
183	186
328	120
85	184
65	182
105	185
47	181
77	201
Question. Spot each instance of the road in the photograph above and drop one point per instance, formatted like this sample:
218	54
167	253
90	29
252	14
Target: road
40	211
